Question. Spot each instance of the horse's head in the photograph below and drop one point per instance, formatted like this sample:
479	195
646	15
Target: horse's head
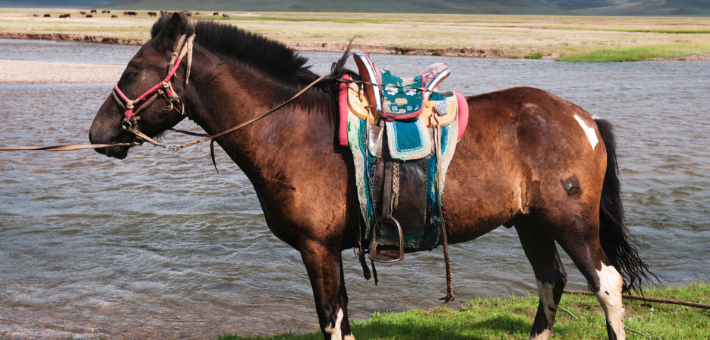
146	70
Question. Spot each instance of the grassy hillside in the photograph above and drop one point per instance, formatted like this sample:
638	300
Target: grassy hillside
361	6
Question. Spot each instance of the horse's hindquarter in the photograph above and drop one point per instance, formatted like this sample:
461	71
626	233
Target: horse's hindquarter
523	148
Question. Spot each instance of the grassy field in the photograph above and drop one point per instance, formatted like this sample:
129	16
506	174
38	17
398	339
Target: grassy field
567	38
511	318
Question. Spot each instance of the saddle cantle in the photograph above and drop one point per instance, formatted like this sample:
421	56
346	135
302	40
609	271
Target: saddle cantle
403	134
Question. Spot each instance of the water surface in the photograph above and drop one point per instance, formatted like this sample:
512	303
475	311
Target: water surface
160	246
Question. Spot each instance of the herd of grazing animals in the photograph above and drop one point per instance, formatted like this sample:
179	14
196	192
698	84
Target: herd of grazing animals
125	13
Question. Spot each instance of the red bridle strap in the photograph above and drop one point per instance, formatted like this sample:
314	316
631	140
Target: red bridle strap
165	84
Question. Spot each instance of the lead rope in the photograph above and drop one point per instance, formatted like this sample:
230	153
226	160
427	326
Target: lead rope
442	222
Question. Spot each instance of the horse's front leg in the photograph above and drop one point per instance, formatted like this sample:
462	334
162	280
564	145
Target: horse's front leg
325	270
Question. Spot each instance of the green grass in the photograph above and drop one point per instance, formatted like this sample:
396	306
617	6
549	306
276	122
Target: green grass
640	53
511	318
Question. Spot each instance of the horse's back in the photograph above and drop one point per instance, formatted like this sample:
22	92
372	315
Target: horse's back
523	148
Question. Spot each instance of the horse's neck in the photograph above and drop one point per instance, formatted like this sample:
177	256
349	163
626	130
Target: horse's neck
231	95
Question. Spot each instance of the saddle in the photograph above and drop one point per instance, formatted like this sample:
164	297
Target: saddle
402	134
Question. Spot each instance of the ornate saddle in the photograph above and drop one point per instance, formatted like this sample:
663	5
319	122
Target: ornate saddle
403	134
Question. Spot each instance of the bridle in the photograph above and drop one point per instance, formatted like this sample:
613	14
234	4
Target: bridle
163	89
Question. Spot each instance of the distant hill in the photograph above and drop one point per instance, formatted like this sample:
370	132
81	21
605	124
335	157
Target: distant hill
54	3
632	7
541	7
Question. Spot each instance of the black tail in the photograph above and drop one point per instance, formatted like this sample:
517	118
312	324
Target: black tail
616	241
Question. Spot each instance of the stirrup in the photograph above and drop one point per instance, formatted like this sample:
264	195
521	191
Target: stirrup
386	255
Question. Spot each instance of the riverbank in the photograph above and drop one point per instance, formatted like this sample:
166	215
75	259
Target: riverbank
49	72
512	317
478	36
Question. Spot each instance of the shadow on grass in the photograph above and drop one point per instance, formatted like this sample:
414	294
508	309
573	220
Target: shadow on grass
498	327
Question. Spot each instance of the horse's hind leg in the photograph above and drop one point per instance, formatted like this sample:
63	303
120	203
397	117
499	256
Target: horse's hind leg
325	271
578	235
551	277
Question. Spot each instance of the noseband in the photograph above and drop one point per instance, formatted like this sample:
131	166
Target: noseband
163	89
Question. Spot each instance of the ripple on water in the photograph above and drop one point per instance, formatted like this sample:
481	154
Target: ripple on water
159	244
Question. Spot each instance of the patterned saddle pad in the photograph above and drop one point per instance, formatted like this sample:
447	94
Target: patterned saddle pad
370	122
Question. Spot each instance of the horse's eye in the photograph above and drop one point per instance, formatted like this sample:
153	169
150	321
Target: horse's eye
131	75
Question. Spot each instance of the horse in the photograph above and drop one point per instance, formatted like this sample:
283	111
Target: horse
114	16
529	160
82	12
62	16
152	14
93	11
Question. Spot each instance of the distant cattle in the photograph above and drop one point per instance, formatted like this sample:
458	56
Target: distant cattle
152	14
225	15
93	11
82	12
114	16
89	16
65	16
198	13
189	14
35	15
47	16
215	13
130	14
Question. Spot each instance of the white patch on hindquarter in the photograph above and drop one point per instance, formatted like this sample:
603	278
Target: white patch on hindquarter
544	291
542	336
335	332
349	337
590	131
609	296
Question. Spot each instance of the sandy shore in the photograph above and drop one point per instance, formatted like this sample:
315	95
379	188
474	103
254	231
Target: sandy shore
45	72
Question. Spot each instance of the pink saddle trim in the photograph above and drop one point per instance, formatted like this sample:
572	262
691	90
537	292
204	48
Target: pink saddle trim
343	106
463	113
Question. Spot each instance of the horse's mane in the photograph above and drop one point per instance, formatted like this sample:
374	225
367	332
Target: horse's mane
262	53
258	51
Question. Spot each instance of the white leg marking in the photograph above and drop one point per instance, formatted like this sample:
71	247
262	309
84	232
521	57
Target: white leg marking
335	332
609	296
590	131
349	337
542	336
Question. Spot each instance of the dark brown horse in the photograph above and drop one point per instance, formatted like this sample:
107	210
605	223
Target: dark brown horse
528	159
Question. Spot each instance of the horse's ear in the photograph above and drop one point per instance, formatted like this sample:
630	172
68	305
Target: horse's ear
163	13
170	34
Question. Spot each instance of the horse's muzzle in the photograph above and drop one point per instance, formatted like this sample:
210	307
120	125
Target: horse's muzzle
119	152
